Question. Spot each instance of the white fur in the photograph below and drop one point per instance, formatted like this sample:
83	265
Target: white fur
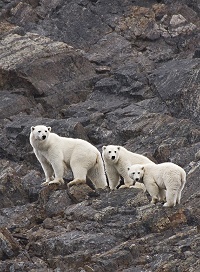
57	154
161	180
116	160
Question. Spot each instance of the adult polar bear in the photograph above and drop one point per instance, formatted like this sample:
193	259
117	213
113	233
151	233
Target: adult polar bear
57	154
160	177
117	159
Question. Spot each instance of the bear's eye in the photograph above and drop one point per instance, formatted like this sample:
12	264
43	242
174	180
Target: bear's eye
138	172
46	131
115	151
109	151
39	131
133	173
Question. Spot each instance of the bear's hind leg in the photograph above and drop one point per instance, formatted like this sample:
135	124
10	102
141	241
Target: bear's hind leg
79	174
97	175
76	182
162	195
171	197
178	200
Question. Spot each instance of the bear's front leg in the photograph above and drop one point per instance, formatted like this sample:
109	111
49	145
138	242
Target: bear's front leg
58	167
153	190
56	181
46	166
113	181
123	172
139	185
128	182
123	186
113	177
154	200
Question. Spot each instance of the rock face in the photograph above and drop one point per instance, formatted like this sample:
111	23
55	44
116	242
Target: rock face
109	72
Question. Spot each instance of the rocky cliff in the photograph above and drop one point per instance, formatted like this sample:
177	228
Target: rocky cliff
111	72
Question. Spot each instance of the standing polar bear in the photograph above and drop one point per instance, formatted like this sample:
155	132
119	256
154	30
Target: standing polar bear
164	179
116	160
57	154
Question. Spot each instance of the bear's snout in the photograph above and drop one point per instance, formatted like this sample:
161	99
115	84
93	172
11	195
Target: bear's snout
113	157
43	137
137	179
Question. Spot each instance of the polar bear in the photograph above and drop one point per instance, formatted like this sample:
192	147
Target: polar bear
164	179
116	161
57	154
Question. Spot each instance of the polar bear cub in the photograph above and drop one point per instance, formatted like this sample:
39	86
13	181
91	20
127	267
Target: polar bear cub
116	160
160	179
58	154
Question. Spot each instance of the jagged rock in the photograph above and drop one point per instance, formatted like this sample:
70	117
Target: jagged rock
43	81
31	183
19	217
109	72
9	247
57	202
197	53
48	223
197	156
12	104
16	189
80	192
172	82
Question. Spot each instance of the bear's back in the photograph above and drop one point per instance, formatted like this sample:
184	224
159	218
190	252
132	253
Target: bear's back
134	158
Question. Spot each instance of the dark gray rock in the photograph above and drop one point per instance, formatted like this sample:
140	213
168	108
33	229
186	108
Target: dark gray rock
31	183
13	191
109	72
57	203
177	84
197	53
12	104
50	61
9	246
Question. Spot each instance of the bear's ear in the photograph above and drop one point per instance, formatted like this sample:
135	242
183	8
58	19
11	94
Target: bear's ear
32	128
118	147
49	128
142	167
104	147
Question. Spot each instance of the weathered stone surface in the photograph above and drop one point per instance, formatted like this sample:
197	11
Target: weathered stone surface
109	72
9	247
81	192
177	84
39	65
17	187
57	202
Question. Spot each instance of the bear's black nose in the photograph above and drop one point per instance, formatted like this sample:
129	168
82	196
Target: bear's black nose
43	137
136	179
113	157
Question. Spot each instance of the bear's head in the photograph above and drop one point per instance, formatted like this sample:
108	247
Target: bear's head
136	172
111	153
40	133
